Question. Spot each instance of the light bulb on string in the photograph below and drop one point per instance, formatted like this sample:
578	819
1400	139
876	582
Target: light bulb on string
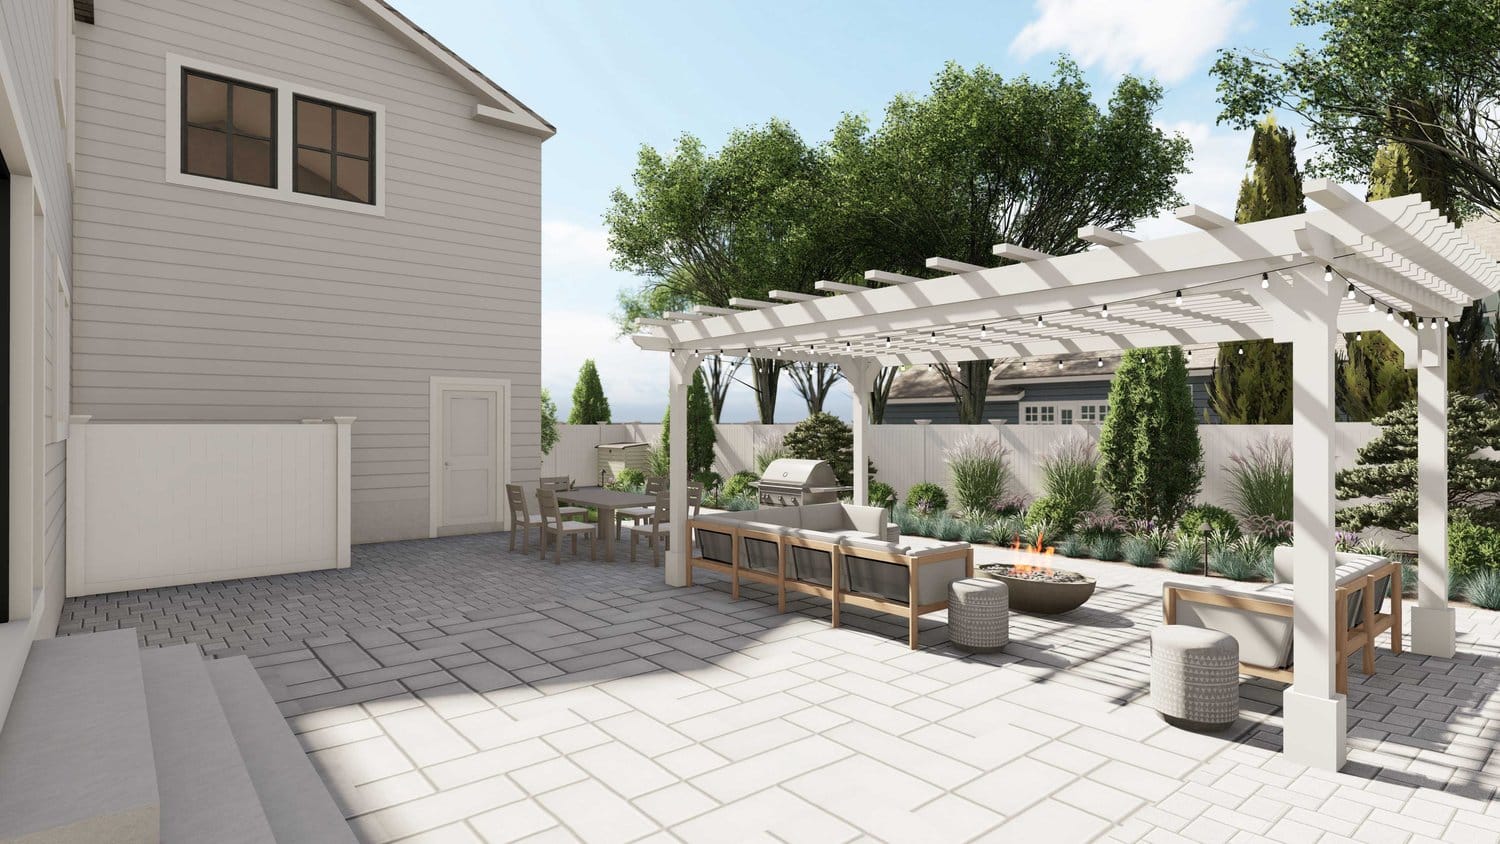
1390	314
1349	294
1327	274
1265	281
1371	308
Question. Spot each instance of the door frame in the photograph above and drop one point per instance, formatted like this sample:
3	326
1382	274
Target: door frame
501	387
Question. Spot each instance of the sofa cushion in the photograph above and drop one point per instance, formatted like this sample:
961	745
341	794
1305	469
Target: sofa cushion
1346	566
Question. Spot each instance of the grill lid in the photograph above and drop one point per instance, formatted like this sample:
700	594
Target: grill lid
801	475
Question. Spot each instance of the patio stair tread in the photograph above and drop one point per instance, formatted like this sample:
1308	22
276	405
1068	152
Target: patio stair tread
206	792
75	753
294	798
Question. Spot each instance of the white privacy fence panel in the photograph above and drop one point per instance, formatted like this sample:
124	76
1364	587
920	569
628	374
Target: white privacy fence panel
160	504
906	455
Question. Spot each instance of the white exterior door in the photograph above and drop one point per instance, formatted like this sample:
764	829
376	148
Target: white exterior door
469	463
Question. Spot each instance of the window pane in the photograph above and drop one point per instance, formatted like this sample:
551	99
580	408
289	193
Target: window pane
207	102
252	111
207	153
354	133
314	125
252	161
313	169
353	179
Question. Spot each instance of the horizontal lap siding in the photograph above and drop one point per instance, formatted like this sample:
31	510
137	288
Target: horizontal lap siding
200	305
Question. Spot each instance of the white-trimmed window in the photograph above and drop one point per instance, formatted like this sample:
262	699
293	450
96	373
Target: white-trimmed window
1092	412
242	132
1038	414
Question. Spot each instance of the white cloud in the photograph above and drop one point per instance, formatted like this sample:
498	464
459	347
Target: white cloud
568	247
1168	39
634	380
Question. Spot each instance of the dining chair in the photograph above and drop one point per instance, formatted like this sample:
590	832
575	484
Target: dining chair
637	515
562	483
553	525
521	520
656	529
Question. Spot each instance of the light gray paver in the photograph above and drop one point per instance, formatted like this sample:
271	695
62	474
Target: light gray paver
447	690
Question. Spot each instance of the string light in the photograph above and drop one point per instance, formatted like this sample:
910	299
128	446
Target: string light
1390	314
1371	308
1040	320
1240	350
1101	363
1178	298
1327	273
887	342
1265	281
984	331
1359	337
1104	311
1350	294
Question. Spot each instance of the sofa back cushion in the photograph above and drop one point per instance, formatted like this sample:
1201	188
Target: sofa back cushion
1347	566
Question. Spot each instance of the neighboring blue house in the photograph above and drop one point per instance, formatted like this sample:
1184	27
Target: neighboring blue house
1054	390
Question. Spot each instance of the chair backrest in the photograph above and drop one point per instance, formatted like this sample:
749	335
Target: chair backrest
546	503
516	498
695	498
562	482
655	485
663	510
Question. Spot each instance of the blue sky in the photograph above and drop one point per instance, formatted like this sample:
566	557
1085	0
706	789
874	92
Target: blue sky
615	75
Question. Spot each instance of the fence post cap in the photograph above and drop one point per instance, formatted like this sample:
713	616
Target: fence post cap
344	420
312	421
80	418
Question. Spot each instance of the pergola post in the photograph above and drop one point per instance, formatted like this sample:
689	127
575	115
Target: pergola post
861	374
1316	717
1432	620
683	366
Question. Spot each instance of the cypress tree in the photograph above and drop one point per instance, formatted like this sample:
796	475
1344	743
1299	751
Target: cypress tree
700	434
1150	457
1252	381
590	406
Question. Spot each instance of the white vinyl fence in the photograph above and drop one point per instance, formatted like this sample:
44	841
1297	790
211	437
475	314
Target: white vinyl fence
906	455
160	504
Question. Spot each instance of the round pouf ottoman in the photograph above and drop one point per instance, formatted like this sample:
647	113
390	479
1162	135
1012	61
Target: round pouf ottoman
979	615
1195	677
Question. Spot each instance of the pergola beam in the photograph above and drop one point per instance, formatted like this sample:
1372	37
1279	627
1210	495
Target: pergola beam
751	304
839	287
1102	236
948	265
891	278
1200	217
790	296
1018	253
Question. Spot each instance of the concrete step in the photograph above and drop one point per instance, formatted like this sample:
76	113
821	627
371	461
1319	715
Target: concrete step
75	755
206	793
293	796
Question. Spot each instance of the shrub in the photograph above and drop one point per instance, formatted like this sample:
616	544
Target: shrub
767	450
1011	505
1472	548
881	494
980	473
629	480
947	528
927	498
1151	461
1187	554
1033	533
1158	539
1232	561
711	481
1070	481
976	531
905	519
823	436
1269	529
658	462
1096	525
1138	551
549	422
1007	529
1073	546
1455	585
739	502
1483	589
1218	518
1408	578
740	484
1260	480
1106	546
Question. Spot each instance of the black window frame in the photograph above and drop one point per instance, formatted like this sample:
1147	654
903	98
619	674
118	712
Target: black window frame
229	129
333	150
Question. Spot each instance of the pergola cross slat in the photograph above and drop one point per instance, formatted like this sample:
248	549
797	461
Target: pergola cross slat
1285	279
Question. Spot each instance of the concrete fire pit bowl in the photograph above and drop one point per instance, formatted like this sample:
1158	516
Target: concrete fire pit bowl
1041	589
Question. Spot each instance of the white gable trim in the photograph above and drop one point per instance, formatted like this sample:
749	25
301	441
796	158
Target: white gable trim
502	108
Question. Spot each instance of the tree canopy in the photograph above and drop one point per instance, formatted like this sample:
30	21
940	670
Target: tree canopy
1421	73
590	405
1150	457
549	422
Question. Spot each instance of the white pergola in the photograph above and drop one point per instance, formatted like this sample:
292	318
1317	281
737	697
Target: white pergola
1353	266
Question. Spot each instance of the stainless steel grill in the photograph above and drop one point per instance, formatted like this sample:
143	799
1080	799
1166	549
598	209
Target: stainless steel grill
789	483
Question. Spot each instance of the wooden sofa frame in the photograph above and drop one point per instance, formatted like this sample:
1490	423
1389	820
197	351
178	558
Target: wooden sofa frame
835	594
1347	640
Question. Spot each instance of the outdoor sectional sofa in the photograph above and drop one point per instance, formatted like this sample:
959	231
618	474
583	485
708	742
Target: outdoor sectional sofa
1259	616
848	554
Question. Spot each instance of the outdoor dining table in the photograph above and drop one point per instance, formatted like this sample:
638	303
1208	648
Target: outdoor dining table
606	502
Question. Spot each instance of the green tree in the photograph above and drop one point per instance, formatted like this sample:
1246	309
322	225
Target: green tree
1252	382
1421	73
1151	461
823	436
702	228
590	405
549	422
981	160
701	436
1386	469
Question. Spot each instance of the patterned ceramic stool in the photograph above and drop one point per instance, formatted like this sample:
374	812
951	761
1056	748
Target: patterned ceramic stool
1195	677
979	615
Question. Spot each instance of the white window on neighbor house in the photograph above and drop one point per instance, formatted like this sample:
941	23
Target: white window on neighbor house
1038	414
241	132
1092	413
1065	415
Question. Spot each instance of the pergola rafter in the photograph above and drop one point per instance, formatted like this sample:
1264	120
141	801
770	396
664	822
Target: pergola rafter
1287	279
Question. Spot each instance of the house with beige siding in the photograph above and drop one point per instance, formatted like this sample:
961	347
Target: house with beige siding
274	272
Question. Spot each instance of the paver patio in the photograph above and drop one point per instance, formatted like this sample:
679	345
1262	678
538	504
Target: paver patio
450	691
